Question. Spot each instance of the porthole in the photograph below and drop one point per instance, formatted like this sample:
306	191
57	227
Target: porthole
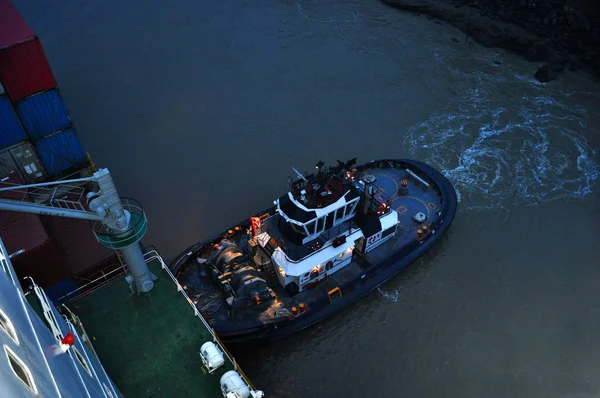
20	370
109	393
82	360
5	267
8	327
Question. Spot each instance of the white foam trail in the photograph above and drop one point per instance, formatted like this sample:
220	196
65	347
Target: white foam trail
533	150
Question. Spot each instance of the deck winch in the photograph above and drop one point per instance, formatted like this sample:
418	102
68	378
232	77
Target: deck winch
239	278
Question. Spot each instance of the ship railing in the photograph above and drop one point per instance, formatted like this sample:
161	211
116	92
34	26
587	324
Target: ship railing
46	307
154	255
63	193
77	322
93	284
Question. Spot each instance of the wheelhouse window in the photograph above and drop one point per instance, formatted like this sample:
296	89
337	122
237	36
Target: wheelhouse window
298	229
320	224
339	213
310	227
20	370
350	207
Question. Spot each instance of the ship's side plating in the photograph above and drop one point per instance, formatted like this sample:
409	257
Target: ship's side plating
43	353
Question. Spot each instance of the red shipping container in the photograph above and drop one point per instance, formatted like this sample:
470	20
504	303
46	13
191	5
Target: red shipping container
13	29
77	243
24	69
19	231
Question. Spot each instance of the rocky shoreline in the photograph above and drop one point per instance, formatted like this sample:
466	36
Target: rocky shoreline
552	32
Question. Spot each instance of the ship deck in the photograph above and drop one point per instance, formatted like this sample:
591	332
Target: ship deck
149	344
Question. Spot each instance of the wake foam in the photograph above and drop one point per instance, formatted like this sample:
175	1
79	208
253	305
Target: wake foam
533	150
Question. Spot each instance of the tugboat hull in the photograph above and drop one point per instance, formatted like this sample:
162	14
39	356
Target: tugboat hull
374	268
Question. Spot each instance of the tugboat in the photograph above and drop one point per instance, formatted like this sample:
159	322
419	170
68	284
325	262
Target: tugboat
335	236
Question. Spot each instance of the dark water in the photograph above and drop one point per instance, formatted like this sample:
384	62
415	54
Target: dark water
201	109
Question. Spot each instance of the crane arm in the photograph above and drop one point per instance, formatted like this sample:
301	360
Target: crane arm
43	210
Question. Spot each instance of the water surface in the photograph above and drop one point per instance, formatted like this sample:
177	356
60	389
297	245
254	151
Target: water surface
200	109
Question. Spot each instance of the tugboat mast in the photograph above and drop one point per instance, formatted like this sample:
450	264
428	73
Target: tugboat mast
120	223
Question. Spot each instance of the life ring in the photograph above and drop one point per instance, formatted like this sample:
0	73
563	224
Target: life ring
329	265
372	239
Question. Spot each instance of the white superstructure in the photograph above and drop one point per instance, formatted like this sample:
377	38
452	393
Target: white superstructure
43	353
322	215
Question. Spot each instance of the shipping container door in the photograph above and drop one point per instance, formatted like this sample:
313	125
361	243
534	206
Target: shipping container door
7	165
23	160
27	159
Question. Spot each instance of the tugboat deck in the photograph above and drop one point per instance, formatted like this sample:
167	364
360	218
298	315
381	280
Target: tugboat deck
149	344
415	197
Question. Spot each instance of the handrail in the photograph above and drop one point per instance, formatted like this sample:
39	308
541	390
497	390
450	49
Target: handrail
46	309
118	271
86	339
78	323
153	255
129	204
235	365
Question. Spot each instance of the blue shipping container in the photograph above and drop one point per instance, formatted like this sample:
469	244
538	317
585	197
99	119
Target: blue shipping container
11	130
43	114
60	151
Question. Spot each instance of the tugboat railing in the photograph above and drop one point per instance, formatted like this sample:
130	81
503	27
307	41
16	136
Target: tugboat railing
154	255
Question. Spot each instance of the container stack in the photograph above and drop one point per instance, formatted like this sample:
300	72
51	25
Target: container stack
35	122
38	142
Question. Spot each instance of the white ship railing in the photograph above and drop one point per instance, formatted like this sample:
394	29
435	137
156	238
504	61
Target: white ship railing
86	339
81	291
153	255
